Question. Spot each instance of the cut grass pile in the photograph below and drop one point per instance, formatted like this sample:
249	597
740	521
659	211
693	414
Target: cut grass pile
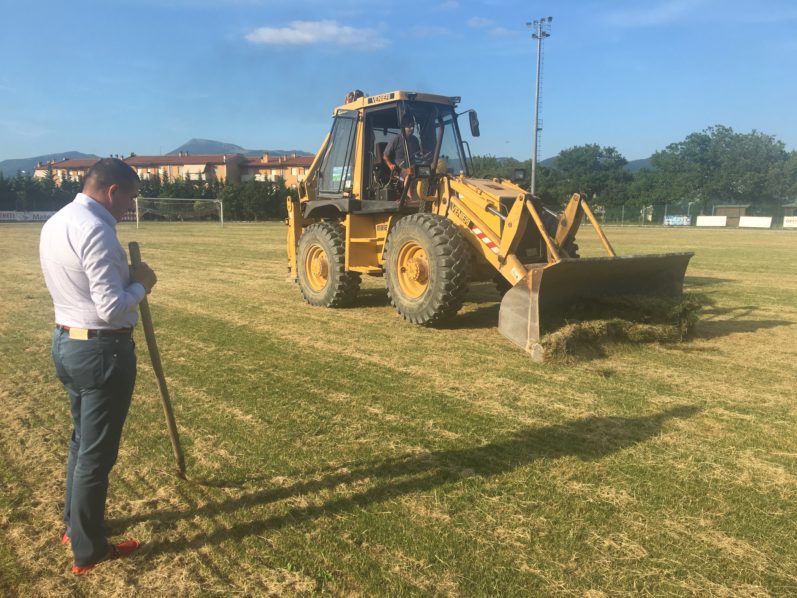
346	452
585	331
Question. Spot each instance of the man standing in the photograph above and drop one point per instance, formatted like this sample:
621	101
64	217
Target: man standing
95	295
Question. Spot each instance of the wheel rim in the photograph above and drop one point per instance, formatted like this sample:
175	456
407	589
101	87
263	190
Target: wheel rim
316	267
412	269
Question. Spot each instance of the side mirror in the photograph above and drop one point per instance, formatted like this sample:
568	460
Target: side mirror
474	123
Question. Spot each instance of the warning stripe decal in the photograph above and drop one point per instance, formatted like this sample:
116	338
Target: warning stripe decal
487	241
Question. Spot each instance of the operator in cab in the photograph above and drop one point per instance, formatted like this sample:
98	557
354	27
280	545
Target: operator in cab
395	155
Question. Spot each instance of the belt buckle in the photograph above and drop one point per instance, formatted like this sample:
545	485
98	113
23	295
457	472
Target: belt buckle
79	334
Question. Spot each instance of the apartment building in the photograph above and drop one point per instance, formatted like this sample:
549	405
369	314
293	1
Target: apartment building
292	169
64	170
200	167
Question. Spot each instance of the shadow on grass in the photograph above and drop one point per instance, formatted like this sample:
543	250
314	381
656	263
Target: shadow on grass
732	322
708	329
484	316
372	298
588	439
704	281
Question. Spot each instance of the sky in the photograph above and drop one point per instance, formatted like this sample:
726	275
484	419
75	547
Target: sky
145	76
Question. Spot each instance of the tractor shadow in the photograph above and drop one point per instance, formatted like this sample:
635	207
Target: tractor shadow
716	322
589	439
374	297
484	315
704	281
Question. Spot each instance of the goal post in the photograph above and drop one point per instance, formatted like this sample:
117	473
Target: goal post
178	209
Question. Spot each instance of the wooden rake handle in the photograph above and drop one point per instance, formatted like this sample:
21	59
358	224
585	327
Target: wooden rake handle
152	345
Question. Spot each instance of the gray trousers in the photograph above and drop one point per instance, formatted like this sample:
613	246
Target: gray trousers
99	375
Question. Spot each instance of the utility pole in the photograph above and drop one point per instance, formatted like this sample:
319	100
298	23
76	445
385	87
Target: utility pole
541	31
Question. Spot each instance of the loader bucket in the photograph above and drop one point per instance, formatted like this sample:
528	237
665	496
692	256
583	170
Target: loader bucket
552	287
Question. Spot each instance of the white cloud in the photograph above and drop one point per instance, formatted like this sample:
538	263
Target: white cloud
316	32
479	22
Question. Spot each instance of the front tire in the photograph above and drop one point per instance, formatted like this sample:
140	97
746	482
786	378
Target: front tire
427	268
321	266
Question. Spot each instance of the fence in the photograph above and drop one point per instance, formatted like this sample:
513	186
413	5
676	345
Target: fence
9	216
668	214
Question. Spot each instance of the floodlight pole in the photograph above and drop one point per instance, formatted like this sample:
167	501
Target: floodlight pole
539	34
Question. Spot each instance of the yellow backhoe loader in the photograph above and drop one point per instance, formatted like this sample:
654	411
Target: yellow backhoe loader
430	228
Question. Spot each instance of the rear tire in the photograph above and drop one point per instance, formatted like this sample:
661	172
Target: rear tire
427	268
321	266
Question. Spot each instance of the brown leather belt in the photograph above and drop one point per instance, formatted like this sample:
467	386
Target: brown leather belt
78	333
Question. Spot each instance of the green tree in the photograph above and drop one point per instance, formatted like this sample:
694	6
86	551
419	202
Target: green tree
254	200
719	165
598	172
782	179
8	197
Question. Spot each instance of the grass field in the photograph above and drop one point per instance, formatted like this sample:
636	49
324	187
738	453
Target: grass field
347	452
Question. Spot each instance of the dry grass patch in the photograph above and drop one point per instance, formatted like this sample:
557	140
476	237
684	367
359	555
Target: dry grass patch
346	452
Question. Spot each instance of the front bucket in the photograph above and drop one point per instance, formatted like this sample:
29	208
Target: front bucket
555	286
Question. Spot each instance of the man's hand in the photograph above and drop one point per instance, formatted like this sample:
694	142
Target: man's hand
144	275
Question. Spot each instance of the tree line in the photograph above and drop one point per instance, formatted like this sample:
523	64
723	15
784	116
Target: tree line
251	200
713	166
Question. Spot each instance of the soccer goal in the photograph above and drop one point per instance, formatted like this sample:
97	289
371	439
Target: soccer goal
176	209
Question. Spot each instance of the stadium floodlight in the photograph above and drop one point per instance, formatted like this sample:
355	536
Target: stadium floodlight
542	28
178	209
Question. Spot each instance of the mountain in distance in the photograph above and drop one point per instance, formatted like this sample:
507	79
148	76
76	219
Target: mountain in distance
9	168
209	146
637	165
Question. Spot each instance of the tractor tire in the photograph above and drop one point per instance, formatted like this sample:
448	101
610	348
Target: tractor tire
427	268
321	266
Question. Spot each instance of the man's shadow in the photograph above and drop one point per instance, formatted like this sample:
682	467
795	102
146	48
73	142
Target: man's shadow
589	438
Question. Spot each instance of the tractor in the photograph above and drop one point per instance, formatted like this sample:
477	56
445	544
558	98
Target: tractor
430	228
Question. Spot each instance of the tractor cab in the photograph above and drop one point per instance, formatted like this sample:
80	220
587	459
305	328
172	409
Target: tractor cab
350	173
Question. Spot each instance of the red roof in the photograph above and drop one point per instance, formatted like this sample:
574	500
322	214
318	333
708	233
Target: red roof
70	163
180	160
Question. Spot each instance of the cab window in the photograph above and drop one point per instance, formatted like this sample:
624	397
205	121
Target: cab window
337	168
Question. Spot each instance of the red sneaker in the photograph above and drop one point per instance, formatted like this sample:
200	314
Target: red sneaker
115	551
66	540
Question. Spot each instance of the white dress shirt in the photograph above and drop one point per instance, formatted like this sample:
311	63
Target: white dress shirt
86	270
